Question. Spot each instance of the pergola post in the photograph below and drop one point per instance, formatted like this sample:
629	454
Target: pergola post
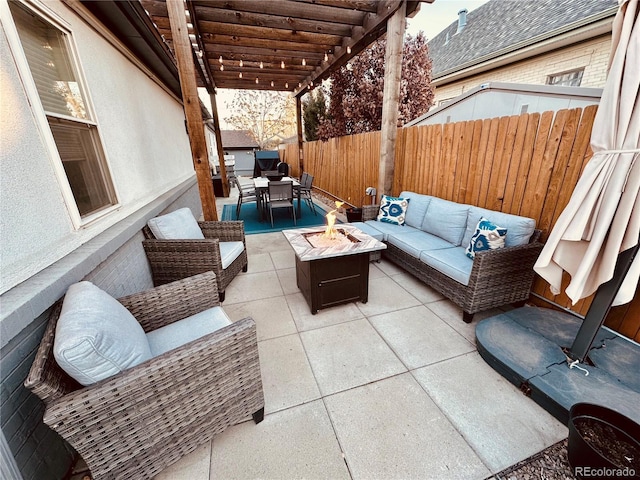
299	126
219	146
193	114
391	95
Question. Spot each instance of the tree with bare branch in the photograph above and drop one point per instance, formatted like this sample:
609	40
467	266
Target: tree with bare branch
269	116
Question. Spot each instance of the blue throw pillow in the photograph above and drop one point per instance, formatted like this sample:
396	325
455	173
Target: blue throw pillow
487	236
393	210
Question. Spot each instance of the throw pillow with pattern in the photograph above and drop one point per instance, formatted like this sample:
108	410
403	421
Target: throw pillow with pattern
393	209
487	236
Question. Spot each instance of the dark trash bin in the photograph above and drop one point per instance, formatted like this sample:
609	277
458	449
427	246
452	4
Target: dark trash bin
217	186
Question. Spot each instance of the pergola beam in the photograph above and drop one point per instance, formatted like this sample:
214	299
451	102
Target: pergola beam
193	113
390	100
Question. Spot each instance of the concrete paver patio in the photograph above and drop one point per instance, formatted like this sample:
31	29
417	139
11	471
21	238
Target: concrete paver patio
391	389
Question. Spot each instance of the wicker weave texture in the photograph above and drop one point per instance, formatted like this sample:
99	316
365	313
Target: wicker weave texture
498	277
136	423
172	260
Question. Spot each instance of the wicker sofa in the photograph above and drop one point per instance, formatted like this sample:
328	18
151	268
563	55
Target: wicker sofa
137	422
492	279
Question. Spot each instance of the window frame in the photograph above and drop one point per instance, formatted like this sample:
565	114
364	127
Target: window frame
562	74
41	116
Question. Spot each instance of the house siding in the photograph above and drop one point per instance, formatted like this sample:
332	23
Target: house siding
149	158
592	55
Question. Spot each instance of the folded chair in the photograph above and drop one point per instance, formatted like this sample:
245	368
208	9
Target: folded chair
177	246
200	375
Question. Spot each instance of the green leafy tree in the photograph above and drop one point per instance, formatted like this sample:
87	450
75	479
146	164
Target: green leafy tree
269	116
314	110
357	89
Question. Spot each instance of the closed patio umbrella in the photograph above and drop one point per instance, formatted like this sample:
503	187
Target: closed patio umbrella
602	218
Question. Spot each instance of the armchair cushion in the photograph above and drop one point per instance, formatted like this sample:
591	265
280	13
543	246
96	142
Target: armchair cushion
186	330
446	220
229	251
96	337
418	205
177	225
519	229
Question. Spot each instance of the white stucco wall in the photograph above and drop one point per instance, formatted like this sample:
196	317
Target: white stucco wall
143	135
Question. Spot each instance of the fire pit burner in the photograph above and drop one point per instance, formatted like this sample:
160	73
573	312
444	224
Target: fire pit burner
320	240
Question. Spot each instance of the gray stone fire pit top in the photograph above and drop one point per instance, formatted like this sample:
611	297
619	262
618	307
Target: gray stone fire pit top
309	244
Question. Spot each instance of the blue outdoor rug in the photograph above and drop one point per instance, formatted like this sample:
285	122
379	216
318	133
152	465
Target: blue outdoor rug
282	219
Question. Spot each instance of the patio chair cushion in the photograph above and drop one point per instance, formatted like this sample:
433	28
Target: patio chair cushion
369	230
417	209
414	242
519	229
96	337
177	225
446	220
388	229
229	251
186	330
452	261
488	236
393	210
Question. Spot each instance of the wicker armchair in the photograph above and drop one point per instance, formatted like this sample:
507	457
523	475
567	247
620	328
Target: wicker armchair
172	260
136	423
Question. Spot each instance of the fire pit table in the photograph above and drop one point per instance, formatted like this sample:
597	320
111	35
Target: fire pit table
332	265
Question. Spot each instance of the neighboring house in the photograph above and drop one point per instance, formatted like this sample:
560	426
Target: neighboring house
94	144
496	99
241	145
552	42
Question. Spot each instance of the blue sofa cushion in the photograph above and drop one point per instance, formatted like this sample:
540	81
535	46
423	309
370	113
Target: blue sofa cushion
388	228
186	330
393	210
417	209
96	336
369	230
447	220
488	236
519	229
453	262
414	242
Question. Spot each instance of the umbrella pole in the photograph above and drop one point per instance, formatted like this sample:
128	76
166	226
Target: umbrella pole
601	305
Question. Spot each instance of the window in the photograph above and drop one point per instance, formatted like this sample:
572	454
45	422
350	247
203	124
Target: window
568	79
63	97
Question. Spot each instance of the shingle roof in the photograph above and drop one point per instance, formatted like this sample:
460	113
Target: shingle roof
237	139
503	25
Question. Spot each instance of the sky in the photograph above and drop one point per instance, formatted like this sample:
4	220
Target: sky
431	19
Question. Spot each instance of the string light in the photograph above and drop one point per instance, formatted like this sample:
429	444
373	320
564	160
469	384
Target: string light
304	62
282	64
240	75
299	85
326	57
261	65
286	85
241	63
272	83
222	68
257	80
348	49
220	59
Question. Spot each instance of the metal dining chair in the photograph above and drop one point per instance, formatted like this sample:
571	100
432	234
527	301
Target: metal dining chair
246	194
306	182
281	196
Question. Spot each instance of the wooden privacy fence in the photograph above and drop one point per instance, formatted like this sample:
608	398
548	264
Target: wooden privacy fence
524	164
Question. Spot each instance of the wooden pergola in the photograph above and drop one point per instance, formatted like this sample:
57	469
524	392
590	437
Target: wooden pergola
279	45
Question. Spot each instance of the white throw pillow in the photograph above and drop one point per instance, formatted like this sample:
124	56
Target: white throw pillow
177	225
96	336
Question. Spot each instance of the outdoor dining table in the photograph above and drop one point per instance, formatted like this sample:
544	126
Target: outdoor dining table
261	185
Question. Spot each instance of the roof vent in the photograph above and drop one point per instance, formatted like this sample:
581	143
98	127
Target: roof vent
462	20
